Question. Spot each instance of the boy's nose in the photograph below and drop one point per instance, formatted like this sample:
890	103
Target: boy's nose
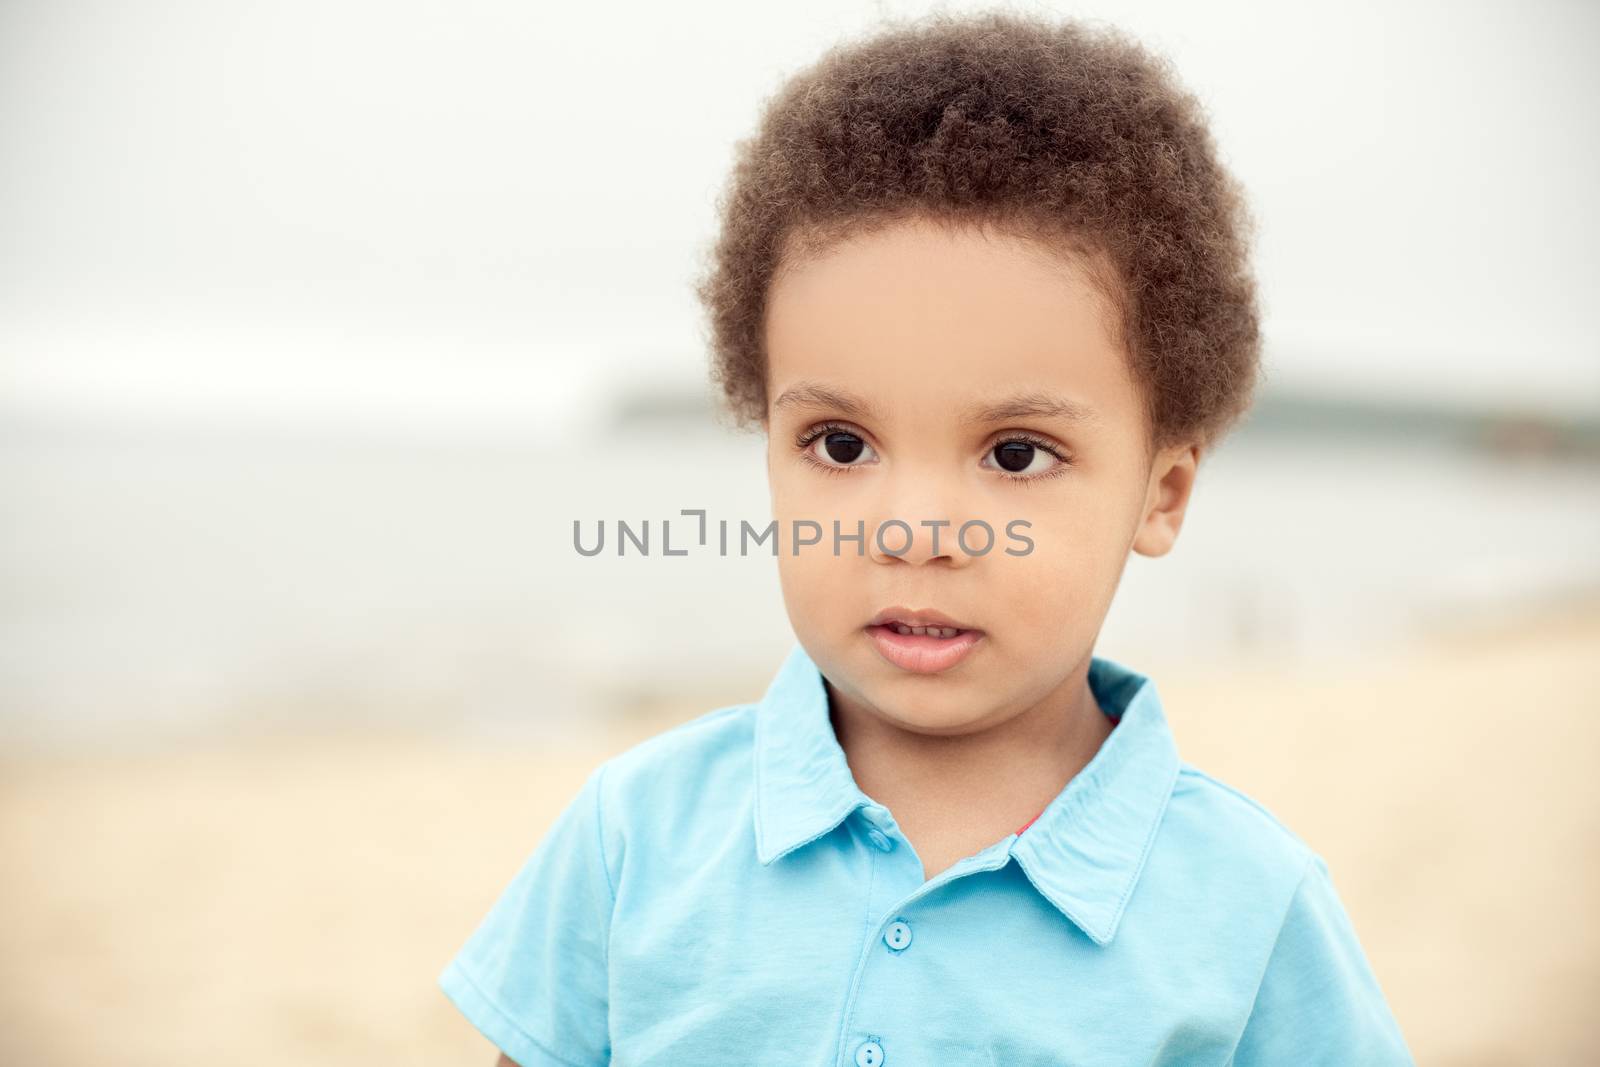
918	539
917	514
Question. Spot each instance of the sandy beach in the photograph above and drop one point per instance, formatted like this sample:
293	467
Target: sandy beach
291	899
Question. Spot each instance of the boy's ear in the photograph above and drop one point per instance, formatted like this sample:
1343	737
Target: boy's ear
1172	476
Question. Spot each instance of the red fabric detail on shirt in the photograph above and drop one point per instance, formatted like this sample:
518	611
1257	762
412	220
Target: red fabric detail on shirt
1030	822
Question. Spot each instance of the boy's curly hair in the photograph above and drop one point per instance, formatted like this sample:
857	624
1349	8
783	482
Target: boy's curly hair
1052	130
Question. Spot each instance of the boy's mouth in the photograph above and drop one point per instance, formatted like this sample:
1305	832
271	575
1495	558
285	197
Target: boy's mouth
931	631
924	642
922	620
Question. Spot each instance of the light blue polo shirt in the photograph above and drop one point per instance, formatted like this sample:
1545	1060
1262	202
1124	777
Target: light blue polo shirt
724	893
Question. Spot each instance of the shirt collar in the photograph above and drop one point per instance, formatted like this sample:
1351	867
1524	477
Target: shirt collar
1084	852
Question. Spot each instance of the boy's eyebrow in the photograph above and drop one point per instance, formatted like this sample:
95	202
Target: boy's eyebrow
1034	403
817	395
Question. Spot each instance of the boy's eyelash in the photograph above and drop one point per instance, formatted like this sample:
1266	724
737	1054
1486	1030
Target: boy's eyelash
1063	461
805	437
803	443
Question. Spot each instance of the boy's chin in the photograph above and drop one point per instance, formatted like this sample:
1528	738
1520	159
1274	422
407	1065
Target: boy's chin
935	720
948	704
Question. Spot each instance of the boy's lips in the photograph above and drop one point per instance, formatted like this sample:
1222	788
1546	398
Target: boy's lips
918	617
925	653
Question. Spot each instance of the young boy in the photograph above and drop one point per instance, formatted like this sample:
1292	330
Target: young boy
984	285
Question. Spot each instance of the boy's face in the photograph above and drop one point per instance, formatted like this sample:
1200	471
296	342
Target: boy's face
882	356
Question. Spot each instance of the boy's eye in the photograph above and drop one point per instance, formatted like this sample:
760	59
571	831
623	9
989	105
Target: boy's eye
1022	457
841	446
1015	456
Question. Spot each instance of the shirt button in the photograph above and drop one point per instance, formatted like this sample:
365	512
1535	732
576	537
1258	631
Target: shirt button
897	936
879	839
869	1055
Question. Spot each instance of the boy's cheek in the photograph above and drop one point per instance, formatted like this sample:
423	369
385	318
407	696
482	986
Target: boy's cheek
817	581
1066	577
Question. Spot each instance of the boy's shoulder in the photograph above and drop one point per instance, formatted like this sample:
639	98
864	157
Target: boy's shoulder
1223	817
702	750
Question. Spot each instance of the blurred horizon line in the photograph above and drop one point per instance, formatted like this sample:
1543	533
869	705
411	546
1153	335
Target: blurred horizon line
681	403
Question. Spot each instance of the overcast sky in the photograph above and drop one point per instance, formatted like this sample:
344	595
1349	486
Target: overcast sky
470	210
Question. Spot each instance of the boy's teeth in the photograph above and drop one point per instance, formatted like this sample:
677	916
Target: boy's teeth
935	631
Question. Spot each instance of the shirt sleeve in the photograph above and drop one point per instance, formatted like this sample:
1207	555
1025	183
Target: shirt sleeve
1319	1002
532	978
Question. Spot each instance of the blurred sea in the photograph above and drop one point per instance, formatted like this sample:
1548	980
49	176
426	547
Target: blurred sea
166	579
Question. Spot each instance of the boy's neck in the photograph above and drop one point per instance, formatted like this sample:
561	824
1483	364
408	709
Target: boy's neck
982	784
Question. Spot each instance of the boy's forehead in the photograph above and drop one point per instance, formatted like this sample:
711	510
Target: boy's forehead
909	321
918	265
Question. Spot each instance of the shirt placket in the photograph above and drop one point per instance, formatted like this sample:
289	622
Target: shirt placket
896	886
